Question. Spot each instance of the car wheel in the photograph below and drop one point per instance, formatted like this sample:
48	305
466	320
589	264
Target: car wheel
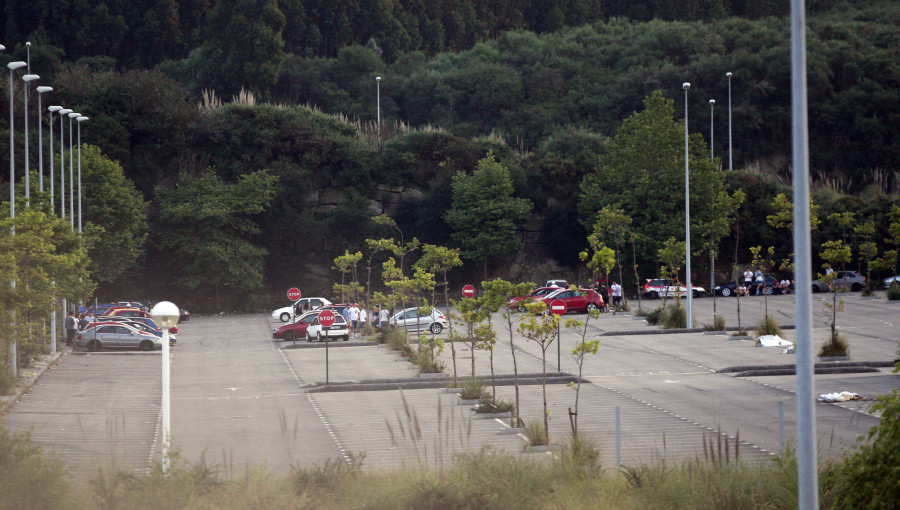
146	345
815	289
726	292
653	294
591	307
319	337
520	308
436	328
289	336
94	345
285	317
346	337
768	290
697	294
308	338
856	287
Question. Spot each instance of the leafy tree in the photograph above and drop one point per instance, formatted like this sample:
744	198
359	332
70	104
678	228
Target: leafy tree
244	47
764	261
868	251
612	222
115	224
485	215
347	263
834	253
717	227
440	260
207	225
671	255
541	327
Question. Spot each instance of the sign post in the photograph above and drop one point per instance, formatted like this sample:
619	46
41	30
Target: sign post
326	320
293	294
558	307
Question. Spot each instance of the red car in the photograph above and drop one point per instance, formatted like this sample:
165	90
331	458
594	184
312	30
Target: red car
536	294
296	329
581	300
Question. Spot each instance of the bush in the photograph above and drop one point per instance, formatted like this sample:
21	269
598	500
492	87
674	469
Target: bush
488	405
536	434
368	330
653	316
717	324
7	381
393	337
473	389
893	293
581	455
835	346
675	317
30	479
768	326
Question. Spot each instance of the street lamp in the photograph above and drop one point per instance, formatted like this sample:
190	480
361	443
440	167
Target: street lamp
62	163
712	106
687	215
12	143
71	173
41	90
28	78
166	315
52	110
729	121
28	55
378	98
80	119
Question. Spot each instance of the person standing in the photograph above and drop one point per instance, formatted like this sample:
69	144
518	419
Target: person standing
760	281
363	317
383	317
748	278
71	325
616	295
354	319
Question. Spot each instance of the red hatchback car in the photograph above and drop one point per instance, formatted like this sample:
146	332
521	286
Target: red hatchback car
296	329
580	300
536	294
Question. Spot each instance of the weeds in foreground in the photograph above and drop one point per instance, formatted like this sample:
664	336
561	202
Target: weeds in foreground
675	317
489	405
654	316
717	324
536	433
768	326
473	389
835	346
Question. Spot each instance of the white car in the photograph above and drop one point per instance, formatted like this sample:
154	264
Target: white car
414	319
300	306
893	281
340	329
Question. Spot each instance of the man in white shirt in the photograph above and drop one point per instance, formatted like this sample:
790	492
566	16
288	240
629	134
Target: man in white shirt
363	317
354	318
383	318
616	291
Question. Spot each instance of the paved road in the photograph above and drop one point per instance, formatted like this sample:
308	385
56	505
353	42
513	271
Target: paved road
240	399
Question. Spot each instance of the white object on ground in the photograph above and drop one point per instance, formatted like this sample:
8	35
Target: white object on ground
838	397
772	341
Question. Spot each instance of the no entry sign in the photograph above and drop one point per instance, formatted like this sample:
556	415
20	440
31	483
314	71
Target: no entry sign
326	318
558	306
293	293
469	291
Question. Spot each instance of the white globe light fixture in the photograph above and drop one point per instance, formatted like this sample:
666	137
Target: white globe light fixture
166	315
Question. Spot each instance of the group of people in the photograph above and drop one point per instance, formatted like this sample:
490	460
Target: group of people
357	317
75	322
612	294
755	282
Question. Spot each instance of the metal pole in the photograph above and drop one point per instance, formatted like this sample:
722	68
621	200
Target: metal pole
712	133
808	496
79	120
50	150
28	78
165	400
62	162
326	355
729	121
687	215
781	426
71	178
378	92
558	350
618	437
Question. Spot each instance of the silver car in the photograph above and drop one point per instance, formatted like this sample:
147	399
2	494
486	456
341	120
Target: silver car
116	336
845	280
415	319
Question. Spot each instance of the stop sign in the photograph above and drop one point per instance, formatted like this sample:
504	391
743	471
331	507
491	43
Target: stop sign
558	306
293	293
469	291
326	318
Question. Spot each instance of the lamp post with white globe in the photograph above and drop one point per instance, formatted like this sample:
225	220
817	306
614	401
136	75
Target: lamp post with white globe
62	162
79	119
166	315
71	116
687	216
28	78
41	90
52	109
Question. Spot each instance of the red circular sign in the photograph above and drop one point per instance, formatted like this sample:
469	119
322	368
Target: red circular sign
326	318
293	293
558	306
469	291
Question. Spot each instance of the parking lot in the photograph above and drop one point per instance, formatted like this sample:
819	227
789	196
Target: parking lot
240	399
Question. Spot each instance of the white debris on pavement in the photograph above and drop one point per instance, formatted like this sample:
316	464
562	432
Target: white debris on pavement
772	341
843	396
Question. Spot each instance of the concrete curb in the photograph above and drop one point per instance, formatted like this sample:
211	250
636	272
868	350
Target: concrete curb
303	344
673	331
833	367
791	371
415	383
29	380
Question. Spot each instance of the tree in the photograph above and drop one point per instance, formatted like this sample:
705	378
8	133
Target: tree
868	252
783	217
115	224
834	253
612	222
207	226
439	259
244	47
643	171
541	328
764	261
347	263
717	227
485	215
671	255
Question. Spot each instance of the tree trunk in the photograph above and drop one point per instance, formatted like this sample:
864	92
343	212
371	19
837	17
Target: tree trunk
450	327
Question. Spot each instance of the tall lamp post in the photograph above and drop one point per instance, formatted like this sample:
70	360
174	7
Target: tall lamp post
378	101
41	90
712	106
52	109
28	78
12	66
687	214
728	74
71	172
62	164
166	315
80	119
